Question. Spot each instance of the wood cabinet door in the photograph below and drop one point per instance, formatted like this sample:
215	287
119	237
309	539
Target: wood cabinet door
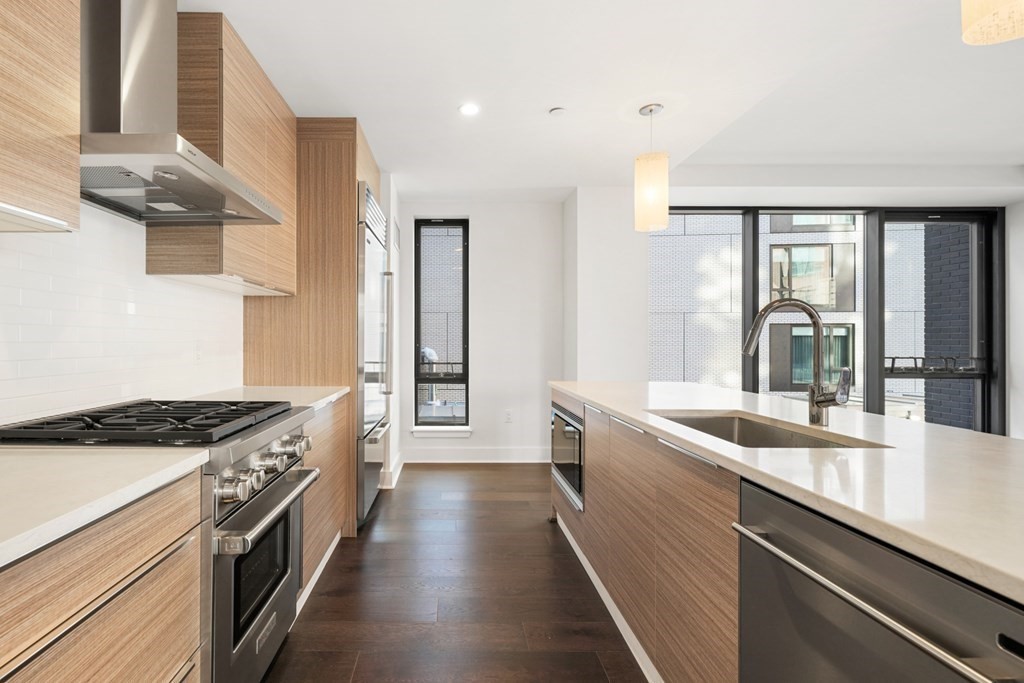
631	538
281	190
596	482
39	107
145	633
697	570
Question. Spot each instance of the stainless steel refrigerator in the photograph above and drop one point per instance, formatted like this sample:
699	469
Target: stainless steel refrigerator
374	372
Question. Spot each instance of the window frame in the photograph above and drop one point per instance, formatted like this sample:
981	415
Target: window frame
990	246
419	378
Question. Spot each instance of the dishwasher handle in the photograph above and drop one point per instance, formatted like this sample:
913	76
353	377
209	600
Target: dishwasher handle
927	646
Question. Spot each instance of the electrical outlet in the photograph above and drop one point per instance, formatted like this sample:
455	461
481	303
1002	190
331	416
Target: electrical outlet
508	416
197	351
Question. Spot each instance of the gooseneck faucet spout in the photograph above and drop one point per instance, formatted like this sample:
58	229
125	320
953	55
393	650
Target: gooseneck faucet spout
819	395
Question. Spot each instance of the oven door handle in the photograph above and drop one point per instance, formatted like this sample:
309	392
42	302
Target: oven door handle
240	542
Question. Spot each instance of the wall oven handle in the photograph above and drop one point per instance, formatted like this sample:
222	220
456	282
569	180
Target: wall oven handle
241	542
389	311
927	646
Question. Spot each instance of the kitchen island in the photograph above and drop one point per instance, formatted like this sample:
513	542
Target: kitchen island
946	496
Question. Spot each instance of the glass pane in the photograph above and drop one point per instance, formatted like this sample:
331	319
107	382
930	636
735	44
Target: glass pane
441	297
695	287
257	574
932	366
816	258
441	404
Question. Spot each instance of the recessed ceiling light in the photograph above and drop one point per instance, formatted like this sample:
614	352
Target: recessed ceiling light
469	109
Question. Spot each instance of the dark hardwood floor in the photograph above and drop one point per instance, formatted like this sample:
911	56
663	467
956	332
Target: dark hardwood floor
457	576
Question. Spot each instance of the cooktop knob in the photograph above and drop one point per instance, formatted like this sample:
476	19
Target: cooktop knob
234	490
255	477
271	462
307	443
293	447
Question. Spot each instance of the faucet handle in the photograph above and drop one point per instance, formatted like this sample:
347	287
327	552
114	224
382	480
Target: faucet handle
843	388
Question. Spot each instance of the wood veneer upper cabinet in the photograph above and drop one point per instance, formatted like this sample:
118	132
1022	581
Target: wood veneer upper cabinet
631	491
228	107
39	110
697	569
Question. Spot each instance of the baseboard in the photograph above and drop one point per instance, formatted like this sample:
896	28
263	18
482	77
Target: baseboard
646	665
308	588
389	478
454	454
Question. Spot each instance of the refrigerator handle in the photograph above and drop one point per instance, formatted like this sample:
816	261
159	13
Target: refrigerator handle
389	282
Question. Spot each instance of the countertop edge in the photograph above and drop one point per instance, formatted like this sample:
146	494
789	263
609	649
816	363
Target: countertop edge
19	547
989	577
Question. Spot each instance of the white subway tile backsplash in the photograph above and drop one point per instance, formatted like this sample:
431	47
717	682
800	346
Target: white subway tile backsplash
81	324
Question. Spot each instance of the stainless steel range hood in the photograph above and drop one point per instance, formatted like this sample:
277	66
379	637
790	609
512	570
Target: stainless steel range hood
133	160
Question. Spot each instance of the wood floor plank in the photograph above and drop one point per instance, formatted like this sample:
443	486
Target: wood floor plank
578	636
456	576
511	667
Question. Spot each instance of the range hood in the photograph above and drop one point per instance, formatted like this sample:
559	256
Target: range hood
133	160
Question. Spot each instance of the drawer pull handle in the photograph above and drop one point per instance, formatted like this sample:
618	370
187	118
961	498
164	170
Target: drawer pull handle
928	647
701	459
596	410
626	424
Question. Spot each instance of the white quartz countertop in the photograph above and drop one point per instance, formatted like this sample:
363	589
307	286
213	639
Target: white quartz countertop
315	397
47	493
950	496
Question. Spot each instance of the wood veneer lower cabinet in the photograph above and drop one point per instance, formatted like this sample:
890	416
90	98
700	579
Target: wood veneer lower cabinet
51	587
329	506
631	536
657	531
146	633
596	480
697	569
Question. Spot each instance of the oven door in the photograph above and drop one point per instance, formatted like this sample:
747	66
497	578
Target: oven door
257	573
567	454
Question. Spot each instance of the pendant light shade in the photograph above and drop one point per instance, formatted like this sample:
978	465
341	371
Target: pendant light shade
987	22
650	183
650	188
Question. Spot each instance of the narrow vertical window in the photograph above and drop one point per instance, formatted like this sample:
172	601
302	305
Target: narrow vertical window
442	322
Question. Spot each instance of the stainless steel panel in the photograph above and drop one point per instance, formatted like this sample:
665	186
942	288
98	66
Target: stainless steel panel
793	627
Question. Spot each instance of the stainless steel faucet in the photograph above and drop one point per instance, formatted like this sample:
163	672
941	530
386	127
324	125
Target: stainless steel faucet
819	395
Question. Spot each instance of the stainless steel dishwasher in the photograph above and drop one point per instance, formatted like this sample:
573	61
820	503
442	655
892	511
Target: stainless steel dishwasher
821	603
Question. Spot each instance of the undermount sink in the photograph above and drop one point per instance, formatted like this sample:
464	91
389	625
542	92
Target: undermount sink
752	433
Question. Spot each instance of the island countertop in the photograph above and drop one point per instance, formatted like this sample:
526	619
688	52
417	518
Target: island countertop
949	496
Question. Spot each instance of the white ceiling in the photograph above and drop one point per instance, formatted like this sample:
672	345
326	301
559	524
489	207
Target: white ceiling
760	82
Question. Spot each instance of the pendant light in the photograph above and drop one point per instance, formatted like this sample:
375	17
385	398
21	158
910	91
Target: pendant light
987	22
650	184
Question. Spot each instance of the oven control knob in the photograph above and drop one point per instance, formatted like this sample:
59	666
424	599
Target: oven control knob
271	462
255	477
234	490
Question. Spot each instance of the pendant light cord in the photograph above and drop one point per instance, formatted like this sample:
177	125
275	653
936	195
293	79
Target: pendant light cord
651	117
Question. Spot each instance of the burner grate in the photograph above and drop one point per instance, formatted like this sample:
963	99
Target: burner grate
149	421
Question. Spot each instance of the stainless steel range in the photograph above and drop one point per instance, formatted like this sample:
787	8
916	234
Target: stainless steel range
252	495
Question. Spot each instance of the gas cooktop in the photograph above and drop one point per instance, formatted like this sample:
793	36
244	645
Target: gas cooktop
148	421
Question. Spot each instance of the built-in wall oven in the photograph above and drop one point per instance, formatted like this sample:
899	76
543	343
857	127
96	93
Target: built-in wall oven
567	453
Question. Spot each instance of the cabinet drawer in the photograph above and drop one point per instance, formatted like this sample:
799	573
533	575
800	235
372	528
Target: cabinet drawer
145	633
46	589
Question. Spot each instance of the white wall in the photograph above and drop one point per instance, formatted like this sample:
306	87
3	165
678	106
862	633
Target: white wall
1014	320
515	329
570	290
81	324
612	282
